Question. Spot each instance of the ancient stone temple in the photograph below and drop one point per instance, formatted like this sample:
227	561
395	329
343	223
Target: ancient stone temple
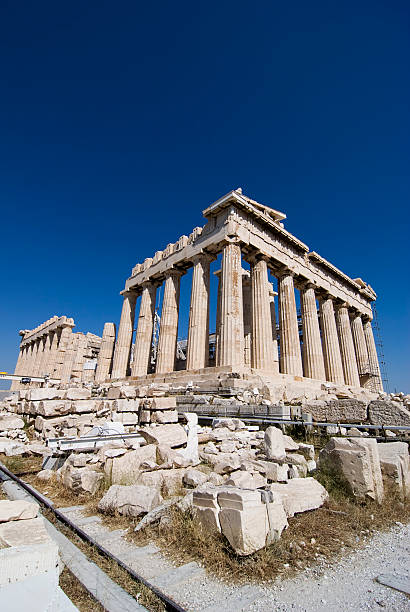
331	339
54	350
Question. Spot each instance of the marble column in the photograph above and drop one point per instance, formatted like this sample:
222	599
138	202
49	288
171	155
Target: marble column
360	348
247	317
124	339
290	354
143	338
106	353
351	373
53	353
64	338
330	342
376	380
168	331
231	340
313	362
18	369
272	294
198	330
218	316
44	366
262	344
29	359
69	358
37	355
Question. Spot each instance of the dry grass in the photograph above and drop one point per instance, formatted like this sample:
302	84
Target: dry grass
341	524
20	465
78	594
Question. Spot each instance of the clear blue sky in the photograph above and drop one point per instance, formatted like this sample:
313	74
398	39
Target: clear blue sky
121	122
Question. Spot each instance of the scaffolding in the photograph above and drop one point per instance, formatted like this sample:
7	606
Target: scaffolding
380	350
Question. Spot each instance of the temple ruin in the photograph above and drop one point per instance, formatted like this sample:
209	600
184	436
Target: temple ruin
336	342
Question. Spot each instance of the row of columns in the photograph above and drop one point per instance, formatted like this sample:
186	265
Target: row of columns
44	355
334	348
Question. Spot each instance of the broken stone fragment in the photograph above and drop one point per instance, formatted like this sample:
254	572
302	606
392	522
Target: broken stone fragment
127	468
9	422
131	500
357	461
78	394
395	466
194	478
170	435
300	494
17	510
274	444
245	480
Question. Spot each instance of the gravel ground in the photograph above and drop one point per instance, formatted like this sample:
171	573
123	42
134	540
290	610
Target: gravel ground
349	584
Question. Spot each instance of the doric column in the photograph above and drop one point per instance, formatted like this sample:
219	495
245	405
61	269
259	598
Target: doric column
143	338
28	367
247	317
45	363
262	344
124	339
37	355
313	363
230	347
330	341
64	340
19	367
198	329
348	355
272	294
218	316
168	331
376	380
53	352
290	355
360	348
105	355
69	358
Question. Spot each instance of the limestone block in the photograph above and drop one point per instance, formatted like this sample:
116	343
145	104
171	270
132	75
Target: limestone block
128	392
8	422
161	403
277	520
299	461
127	418
27	532
164	416
228	446
84	405
206	496
244	480
17	510
173	481
44	394
300	495
395	466
50	408
11	448
228	464
290	445
170	435
154	480
357	461
274	444
194	478
114	393
78	394
131	500
209	518
81	480
126	405
388	413
244	520
127	468
36	448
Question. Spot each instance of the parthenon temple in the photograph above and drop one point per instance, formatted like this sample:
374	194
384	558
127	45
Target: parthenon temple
330	339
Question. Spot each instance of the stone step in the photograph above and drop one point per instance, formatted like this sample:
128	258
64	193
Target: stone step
171	579
238	602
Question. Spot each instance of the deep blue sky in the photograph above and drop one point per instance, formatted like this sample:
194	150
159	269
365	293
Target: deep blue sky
121	122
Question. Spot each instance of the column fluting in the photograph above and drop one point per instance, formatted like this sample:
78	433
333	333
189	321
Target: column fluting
124	339
313	362
247	317
143	337
262	344
198	329
106	353
347	351
168	331
272	294
290	354
360	348
376	380
231	340
330	342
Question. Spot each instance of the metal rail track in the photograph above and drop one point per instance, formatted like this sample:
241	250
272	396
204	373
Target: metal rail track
169	603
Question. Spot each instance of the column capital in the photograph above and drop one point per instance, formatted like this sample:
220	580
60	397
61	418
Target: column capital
202	256
254	256
174	272
285	271
130	293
